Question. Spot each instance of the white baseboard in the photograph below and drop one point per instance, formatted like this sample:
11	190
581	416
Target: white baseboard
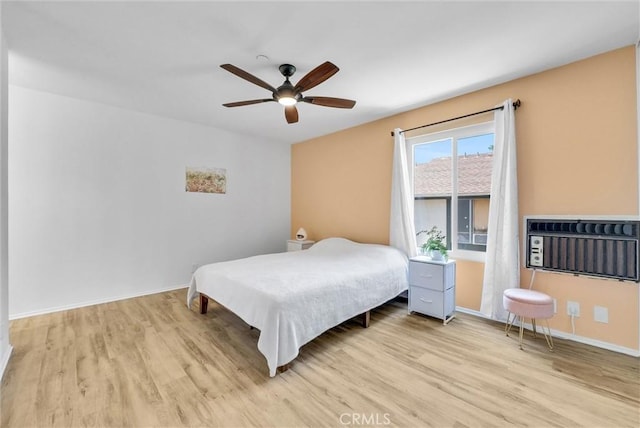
5	361
93	302
568	336
470	312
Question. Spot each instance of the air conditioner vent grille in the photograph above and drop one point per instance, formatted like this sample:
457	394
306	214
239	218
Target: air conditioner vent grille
587	247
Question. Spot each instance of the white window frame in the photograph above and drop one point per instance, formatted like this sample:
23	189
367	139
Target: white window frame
454	134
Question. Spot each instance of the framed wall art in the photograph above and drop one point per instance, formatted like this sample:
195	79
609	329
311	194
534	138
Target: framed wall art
206	180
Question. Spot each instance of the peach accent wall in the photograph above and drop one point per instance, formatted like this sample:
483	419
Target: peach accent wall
469	284
343	184
576	134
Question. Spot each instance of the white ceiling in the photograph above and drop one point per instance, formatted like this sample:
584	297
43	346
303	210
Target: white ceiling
163	57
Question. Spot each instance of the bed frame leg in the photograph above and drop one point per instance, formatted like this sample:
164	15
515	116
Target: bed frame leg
204	302
283	368
366	319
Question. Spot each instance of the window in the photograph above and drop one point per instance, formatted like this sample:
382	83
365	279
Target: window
451	173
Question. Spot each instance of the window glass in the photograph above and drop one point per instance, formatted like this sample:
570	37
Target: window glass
475	157
432	187
451	173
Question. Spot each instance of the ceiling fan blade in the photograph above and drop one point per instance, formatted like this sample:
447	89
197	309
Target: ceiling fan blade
316	76
246	103
291	113
247	76
329	102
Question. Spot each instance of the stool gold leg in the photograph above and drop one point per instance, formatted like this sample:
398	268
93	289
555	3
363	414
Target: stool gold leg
535	330
521	330
549	338
507	327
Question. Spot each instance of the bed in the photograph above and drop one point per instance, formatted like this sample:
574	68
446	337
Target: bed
294	297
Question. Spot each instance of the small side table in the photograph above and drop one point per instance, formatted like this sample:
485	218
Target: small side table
432	287
295	245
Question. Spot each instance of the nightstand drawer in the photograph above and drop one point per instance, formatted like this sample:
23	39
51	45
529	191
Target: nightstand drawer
434	303
426	275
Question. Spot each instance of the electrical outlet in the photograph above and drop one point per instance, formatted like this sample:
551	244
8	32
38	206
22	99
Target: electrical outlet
573	308
555	306
601	314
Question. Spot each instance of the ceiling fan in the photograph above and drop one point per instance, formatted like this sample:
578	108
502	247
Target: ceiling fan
289	95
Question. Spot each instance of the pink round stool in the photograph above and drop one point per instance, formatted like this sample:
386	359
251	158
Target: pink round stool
525	303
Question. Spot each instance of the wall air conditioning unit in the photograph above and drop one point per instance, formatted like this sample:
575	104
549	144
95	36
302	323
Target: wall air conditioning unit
600	247
480	238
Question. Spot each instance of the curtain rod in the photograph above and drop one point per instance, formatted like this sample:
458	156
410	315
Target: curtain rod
516	104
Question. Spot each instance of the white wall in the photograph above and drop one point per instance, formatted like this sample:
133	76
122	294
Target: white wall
98	209
5	346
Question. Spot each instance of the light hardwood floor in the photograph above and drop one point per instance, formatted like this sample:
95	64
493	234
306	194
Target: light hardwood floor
151	362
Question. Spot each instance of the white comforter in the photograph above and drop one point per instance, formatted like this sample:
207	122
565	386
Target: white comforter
294	297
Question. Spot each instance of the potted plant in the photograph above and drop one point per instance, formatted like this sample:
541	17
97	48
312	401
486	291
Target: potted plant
435	246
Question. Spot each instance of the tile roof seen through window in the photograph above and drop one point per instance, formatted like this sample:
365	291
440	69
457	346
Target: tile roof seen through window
474	176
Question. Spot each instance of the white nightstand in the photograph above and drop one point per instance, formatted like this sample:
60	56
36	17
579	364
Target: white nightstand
295	245
432	287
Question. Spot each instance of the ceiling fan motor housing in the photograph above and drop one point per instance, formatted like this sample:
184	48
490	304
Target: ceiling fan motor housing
286	90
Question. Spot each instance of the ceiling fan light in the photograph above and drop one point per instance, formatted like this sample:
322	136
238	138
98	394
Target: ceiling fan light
287	101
